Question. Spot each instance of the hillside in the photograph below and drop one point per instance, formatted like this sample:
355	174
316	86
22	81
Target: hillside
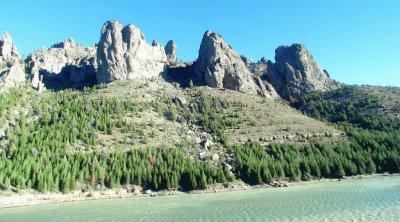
158	114
162	137
364	106
124	113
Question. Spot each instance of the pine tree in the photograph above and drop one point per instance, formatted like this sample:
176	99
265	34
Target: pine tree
203	181
65	184
339	171
193	181
371	167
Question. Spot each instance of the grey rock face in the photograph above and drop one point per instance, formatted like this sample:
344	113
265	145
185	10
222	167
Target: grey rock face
11	66
248	62
296	72
170	50
220	66
266	88
8	50
124	54
64	65
70	43
260	68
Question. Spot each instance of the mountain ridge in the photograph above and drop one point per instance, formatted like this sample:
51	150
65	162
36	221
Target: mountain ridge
123	53
125	113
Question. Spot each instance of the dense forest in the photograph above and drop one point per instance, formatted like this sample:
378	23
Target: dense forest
372	143
36	153
354	106
366	152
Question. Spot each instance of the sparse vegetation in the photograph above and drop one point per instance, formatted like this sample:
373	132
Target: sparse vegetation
2	65
63	141
10	99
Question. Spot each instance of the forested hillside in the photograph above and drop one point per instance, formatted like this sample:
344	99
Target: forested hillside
102	137
373	108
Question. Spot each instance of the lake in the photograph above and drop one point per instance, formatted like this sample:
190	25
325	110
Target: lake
347	200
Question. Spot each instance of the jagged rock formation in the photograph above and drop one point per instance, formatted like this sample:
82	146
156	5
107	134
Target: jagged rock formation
248	62
220	66
8	50
296	72
124	54
259	68
170	50
64	65
70	43
11	66
266	88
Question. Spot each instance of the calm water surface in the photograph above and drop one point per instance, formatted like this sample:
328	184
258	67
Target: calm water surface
376	199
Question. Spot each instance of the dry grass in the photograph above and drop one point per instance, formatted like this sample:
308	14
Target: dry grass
260	119
267	120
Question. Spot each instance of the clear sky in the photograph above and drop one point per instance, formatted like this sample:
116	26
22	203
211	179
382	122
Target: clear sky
357	41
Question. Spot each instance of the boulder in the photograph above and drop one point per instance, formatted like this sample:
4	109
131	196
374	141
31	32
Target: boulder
228	166
11	67
135	189
170	50
123	53
206	143
64	65
215	157
180	99
202	155
220	66
296	73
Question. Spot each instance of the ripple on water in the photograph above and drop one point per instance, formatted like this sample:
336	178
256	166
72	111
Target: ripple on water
352	200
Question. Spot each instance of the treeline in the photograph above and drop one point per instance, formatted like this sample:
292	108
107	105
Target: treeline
150	168
349	105
366	152
372	143
38	152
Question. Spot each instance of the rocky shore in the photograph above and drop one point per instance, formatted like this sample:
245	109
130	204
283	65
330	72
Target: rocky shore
28	198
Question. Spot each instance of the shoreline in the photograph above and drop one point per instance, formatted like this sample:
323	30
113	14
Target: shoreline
31	198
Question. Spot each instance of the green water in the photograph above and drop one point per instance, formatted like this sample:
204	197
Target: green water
376	199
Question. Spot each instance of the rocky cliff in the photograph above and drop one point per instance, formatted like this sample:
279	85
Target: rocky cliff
170	50
296	72
220	66
11	66
64	65
123	53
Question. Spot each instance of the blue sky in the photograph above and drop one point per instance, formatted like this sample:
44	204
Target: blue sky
357	41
